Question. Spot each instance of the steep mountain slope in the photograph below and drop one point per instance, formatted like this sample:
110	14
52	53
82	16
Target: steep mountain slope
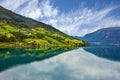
106	36
16	30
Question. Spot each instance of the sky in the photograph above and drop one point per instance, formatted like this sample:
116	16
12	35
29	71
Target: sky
73	17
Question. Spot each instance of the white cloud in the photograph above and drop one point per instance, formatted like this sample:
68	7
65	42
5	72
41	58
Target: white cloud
48	9
12	5
30	10
33	8
76	22
83	21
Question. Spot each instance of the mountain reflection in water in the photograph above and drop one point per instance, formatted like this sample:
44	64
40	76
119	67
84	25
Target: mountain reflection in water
10	57
108	52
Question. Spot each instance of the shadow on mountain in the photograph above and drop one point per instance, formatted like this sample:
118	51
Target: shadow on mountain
10	57
108	52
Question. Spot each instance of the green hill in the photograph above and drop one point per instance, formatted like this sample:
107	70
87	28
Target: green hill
20	31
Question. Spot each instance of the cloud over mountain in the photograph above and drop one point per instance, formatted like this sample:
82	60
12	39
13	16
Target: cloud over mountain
76	22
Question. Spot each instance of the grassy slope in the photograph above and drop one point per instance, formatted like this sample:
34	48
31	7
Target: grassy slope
20	31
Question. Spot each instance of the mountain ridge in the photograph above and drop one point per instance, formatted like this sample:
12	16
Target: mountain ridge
104	36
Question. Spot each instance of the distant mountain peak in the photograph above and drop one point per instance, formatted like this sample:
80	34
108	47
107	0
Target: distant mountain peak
109	35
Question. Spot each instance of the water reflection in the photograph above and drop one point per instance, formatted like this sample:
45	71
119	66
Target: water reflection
72	65
15	56
108	52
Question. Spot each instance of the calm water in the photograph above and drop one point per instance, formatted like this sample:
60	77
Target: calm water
91	63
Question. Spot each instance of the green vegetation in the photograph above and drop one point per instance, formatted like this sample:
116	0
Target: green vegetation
34	37
19	31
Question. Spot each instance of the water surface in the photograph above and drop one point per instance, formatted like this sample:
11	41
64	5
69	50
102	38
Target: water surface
109	52
78	64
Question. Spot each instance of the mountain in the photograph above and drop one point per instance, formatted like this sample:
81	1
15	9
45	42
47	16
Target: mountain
20	31
109	35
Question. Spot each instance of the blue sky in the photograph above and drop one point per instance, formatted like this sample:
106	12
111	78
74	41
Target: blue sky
74	17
